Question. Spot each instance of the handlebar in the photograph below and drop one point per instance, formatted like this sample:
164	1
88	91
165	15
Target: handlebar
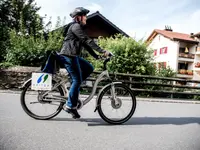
106	60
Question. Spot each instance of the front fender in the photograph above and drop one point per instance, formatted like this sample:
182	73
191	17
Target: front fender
113	83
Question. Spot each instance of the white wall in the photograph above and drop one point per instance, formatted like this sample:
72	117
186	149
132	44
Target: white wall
172	52
196	75
193	49
190	66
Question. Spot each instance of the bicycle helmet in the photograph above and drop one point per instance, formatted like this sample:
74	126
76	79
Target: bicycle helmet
79	11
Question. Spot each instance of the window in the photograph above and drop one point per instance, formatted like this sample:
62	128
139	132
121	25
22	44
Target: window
183	50
183	66
163	50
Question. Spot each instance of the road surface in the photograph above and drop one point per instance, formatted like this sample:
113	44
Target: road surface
154	126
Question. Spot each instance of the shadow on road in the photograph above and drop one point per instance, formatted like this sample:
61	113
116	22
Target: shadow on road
139	121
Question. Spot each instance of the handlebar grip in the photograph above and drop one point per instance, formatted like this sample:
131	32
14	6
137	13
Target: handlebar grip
104	57
111	54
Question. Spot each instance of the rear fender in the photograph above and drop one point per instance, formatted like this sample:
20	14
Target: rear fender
65	92
25	83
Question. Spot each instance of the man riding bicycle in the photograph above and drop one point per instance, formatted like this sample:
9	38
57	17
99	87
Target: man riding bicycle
78	68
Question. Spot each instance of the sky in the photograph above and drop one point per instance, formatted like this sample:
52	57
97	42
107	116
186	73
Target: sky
137	18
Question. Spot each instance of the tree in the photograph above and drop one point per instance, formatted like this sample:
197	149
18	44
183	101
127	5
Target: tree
25	16
20	15
24	50
5	18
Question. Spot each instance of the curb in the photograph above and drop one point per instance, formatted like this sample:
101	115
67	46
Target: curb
10	91
168	100
161	100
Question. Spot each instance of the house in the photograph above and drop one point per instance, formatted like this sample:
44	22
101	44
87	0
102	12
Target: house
179	51
98	25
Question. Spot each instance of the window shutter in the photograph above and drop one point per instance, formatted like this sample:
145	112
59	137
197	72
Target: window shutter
165	64
155	52
159	65
165	50
160	50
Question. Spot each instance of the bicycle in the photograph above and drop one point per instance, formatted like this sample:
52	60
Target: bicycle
109	92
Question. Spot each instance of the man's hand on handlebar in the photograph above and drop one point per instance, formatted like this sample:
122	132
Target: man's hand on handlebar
105	55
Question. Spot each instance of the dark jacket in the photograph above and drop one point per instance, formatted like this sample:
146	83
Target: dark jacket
76	39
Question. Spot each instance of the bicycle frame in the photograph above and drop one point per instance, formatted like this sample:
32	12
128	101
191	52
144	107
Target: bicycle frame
102	76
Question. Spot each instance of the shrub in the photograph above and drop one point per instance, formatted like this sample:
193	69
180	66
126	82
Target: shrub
25	50
130	56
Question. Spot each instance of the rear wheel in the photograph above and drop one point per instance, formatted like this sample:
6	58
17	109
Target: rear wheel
36	107
119	111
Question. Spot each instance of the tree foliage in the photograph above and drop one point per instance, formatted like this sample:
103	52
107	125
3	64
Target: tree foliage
131	56
25	50
21	15
18	15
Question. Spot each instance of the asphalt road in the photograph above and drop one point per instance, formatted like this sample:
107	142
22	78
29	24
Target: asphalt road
154	126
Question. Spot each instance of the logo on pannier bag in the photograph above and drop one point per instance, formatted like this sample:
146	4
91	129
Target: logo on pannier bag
44	79
41	81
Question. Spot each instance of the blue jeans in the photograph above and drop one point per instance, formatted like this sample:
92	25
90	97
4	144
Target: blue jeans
78	69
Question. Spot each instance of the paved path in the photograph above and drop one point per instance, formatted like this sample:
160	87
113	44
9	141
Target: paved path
154	126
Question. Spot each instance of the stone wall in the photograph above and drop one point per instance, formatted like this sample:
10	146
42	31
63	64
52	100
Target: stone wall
13	78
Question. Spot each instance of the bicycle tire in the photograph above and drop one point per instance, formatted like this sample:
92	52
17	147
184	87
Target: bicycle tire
110	121
25	108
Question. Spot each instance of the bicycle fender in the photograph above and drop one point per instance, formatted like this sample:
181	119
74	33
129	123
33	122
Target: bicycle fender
25	83
113	83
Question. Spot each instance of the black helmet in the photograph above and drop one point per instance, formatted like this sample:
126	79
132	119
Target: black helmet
79	11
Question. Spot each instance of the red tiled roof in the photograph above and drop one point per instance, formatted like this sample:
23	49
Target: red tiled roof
171	35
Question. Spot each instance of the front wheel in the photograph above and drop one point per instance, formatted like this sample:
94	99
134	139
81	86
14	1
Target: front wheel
121	109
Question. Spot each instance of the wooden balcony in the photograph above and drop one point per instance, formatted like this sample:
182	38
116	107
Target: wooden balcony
184	55
185	72
182	73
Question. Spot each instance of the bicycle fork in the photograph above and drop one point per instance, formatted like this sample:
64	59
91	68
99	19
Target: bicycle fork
113	97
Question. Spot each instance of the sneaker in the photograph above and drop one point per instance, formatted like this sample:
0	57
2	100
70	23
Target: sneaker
73	112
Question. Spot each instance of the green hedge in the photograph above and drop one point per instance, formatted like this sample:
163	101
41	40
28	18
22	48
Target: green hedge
27	51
